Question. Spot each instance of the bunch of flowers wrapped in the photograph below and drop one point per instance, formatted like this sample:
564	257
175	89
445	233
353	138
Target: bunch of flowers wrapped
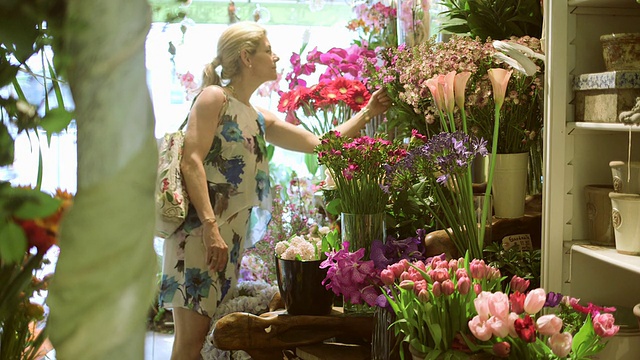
362	169
339	90
433	301
515	326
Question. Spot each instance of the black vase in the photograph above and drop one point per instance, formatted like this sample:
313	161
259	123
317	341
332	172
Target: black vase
300	284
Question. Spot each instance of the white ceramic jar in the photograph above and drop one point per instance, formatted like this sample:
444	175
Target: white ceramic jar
622	183
625	213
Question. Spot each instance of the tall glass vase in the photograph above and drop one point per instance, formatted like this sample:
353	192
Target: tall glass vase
360	230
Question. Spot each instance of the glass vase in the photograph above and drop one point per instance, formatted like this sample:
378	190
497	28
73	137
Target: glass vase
385	345
360	230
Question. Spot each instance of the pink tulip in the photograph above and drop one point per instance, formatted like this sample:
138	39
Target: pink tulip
499	327
604	325
549	324
477	288
406	285
387	277
460	85
517	302
499	81
453	265
461	273
479	329
448	287
519	284
478	269
420	285
511	320
499	305
439	274
464	285
436	289
424	296
535	301
560	344
502	349
448	86
481	304
438	97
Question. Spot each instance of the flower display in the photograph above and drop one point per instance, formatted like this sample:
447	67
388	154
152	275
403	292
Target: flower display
338	92
376	24
361	168
514	326
433	301
406	68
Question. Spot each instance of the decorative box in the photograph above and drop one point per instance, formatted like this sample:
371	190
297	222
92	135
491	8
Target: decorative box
600	97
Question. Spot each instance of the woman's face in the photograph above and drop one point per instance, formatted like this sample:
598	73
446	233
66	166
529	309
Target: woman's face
264	61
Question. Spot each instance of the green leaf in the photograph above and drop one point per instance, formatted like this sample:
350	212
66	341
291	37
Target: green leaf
27	204
13	242
582	338
270	150
311	160
334	207
56	120
7	148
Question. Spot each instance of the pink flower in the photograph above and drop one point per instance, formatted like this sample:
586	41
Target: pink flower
517	302
436	289
448	87
447	287
464	285
535	301
435	90
560	344
478	269
519	284
499	305
499	81
549	325
480	329
502	349
406	285
511	320
604	325
387	277
460	85
481	304
423	295
499	327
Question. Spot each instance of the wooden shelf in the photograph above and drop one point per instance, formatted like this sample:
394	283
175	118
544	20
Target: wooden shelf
610	256
581	126
604	3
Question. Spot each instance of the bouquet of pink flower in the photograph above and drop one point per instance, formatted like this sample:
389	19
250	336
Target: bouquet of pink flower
434	300
514	326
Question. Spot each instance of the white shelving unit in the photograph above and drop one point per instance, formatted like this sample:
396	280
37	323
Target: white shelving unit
578	154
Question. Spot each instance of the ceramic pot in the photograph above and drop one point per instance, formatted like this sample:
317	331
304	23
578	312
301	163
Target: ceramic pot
624	217
509	186
300	285
622	182
599	227
621	51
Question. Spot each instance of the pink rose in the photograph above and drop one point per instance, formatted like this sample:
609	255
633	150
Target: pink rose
560	344
534	301
479	329
549	324
604	325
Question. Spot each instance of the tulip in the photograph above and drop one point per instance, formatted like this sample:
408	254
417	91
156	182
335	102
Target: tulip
525	329
464	285
387	277
478	269
406	285
479	329
461	273
499	81
535	301
511	320
448	287
502	349
499	327
477	288
424	296
549	325
420	285
604	325
519	284
436	289
560	344
481	304
517	302
499	305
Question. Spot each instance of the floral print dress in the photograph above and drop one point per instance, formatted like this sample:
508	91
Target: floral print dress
238	180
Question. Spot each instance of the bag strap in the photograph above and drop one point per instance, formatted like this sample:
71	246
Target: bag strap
225	106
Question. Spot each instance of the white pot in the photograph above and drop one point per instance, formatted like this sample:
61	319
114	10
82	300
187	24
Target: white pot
509	186
599	228
622	183
624	216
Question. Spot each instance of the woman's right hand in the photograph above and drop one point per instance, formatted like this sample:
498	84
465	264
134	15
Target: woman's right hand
217	249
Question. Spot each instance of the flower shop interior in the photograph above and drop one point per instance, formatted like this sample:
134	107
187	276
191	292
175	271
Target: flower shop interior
489	213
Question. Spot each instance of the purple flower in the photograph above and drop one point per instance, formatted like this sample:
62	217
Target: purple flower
553	299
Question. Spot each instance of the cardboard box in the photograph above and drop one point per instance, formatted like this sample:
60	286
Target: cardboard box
600	97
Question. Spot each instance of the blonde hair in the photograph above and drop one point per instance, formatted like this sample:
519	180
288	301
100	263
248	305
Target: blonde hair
245	35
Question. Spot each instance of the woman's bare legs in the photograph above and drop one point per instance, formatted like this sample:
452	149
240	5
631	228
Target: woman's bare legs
191	330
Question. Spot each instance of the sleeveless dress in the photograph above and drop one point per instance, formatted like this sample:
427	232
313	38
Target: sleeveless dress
237	172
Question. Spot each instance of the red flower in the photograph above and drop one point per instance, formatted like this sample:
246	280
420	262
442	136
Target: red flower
525	328
517	302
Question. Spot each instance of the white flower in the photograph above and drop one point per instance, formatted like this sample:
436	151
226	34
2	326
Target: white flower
324	230
328	180
517	56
